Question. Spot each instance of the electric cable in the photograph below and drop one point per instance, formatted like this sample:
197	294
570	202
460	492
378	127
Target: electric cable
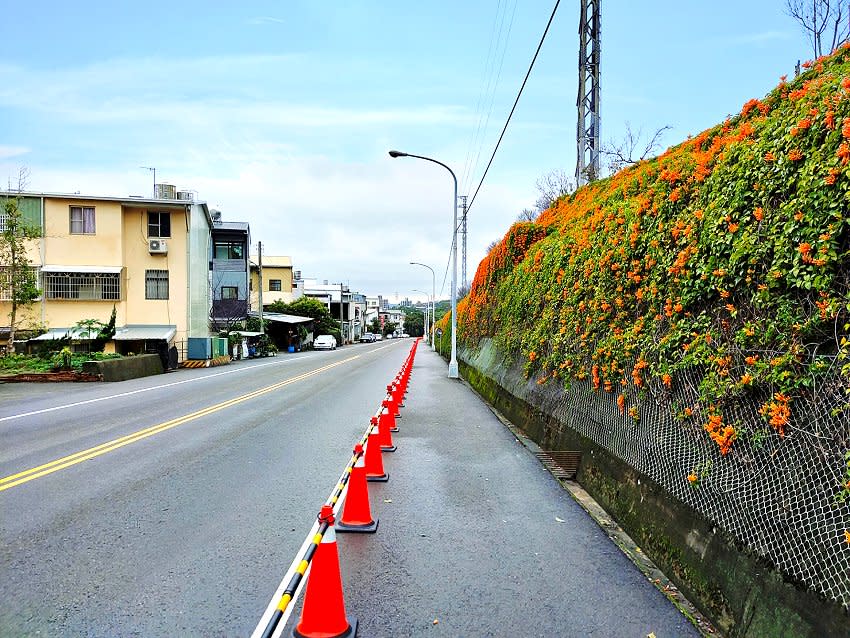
510	115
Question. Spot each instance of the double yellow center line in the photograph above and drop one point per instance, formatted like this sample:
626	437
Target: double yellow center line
92	452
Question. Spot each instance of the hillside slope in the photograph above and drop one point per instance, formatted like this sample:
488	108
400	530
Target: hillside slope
726	256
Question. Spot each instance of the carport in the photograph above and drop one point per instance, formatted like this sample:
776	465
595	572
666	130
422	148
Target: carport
283	330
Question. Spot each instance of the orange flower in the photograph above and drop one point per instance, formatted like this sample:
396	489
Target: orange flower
829	120
769	157
666	379
733	228
688	412
746	379
845	127
843	152
845	84
795	154
621	403
758	213
692	478
829	180
752	360
847	536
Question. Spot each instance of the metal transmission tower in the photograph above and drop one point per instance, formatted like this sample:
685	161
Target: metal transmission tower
587	130
462	199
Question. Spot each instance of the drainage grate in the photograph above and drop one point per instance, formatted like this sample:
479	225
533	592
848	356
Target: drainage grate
563	464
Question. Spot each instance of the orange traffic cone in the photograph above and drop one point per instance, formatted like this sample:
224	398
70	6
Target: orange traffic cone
384	435
323	615
356	513
390	402
374	462
387	409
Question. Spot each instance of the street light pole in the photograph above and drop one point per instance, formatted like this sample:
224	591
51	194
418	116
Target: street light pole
453	372
433	301
427	297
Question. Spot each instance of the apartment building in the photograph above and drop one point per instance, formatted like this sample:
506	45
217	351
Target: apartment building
147	258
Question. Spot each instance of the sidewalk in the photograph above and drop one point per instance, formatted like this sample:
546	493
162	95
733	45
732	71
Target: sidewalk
476	538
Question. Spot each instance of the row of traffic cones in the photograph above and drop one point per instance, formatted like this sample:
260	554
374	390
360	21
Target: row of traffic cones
323	614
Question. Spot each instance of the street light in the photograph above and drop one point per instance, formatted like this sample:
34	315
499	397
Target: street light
433	300
453	360
427	297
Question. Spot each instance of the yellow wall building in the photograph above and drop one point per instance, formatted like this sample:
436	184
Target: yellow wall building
277	280
147	258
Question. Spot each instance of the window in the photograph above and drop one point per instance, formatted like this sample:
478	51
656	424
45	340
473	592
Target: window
156	284
274	285
31	277
228	250
82	285
82	220
159	224
230	292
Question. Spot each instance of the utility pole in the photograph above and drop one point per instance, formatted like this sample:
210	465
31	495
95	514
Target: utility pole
462	199
589	93
260	282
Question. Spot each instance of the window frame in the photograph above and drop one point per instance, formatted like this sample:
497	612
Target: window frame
155	278
230	246
155	229
82	210
275	285
234	290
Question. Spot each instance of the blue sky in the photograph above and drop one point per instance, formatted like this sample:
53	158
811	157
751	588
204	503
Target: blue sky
281	113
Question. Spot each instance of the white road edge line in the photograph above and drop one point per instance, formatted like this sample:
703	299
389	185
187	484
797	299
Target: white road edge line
22	415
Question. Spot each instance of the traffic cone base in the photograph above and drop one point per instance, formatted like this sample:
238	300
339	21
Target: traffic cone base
382	478
388	448
369	528
351	632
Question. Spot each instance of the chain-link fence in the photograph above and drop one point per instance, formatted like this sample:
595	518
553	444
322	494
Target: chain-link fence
785	498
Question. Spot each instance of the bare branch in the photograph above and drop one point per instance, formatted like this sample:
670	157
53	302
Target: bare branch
624	152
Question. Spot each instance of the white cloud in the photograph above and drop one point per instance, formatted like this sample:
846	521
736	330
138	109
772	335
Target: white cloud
7	152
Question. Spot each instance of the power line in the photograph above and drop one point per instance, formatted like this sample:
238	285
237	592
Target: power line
510	115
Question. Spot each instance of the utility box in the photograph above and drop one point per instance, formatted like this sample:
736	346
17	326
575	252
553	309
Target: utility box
200	348
219	346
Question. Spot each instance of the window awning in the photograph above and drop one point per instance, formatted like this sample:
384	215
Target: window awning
281	318
145	332
54	334
86	269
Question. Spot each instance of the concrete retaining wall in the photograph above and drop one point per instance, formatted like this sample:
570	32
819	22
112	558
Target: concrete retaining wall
742	594
143	365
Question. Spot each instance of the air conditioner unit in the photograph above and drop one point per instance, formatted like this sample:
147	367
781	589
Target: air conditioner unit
157	247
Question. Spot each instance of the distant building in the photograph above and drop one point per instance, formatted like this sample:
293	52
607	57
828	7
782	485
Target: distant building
277	281
229	273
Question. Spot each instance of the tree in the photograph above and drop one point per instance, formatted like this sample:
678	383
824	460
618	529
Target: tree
624	152
19	279
375	326
550	187
414	321
525	215
823	22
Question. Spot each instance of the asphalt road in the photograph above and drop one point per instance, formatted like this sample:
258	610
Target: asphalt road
188	532
185	532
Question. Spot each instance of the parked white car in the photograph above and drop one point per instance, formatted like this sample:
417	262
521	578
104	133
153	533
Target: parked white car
324	342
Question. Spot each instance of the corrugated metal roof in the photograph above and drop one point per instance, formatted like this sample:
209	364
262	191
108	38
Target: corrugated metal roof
86	269
139	332
281	318
54	334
